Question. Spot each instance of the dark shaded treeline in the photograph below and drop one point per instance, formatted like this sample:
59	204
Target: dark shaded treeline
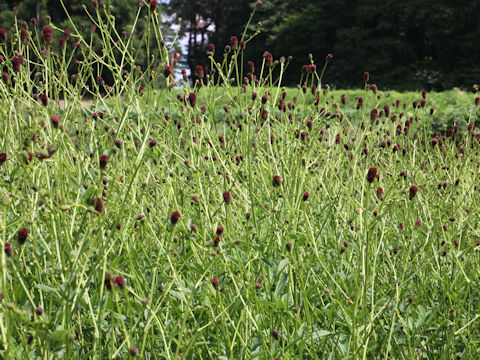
402	44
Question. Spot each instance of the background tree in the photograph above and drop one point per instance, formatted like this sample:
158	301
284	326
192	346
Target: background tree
404	45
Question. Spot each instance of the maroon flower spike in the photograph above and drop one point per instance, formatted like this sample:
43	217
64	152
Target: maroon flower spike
211	49
413	191
268	58
227	198
215	283
39	311
3	35
8	249
251	66
167	71
275	334
133	351
54	120
234	42
199	70
174	217
3	158
120	281
477	101
44	99
220	230
108	282
372	174
277	180
47	34
153	4
16	63
5	76
306	195
152	143
366	75
24	36
99	204
22	235
103	161
192	99
288	246
380	193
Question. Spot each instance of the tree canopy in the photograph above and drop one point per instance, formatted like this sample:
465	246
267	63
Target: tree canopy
404	45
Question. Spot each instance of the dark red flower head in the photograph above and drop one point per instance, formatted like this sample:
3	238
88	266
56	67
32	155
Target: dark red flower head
120	281
211	49
3	35
220	229
413	191
192	99
98	204
108	282
174	217
380	193
153	4
47	34
24	36
234	42
22	235
251	66
372	174
39	310
3	158
215	283
16	63
44	99
167	71
227	197
103	161
199	70
277	180
306	195
8	249
268	58
288	246
55	121
152	143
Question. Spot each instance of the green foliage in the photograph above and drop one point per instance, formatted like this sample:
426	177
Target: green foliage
244	221
410	45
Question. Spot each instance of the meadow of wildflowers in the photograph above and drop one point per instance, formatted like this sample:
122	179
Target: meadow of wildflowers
228	217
